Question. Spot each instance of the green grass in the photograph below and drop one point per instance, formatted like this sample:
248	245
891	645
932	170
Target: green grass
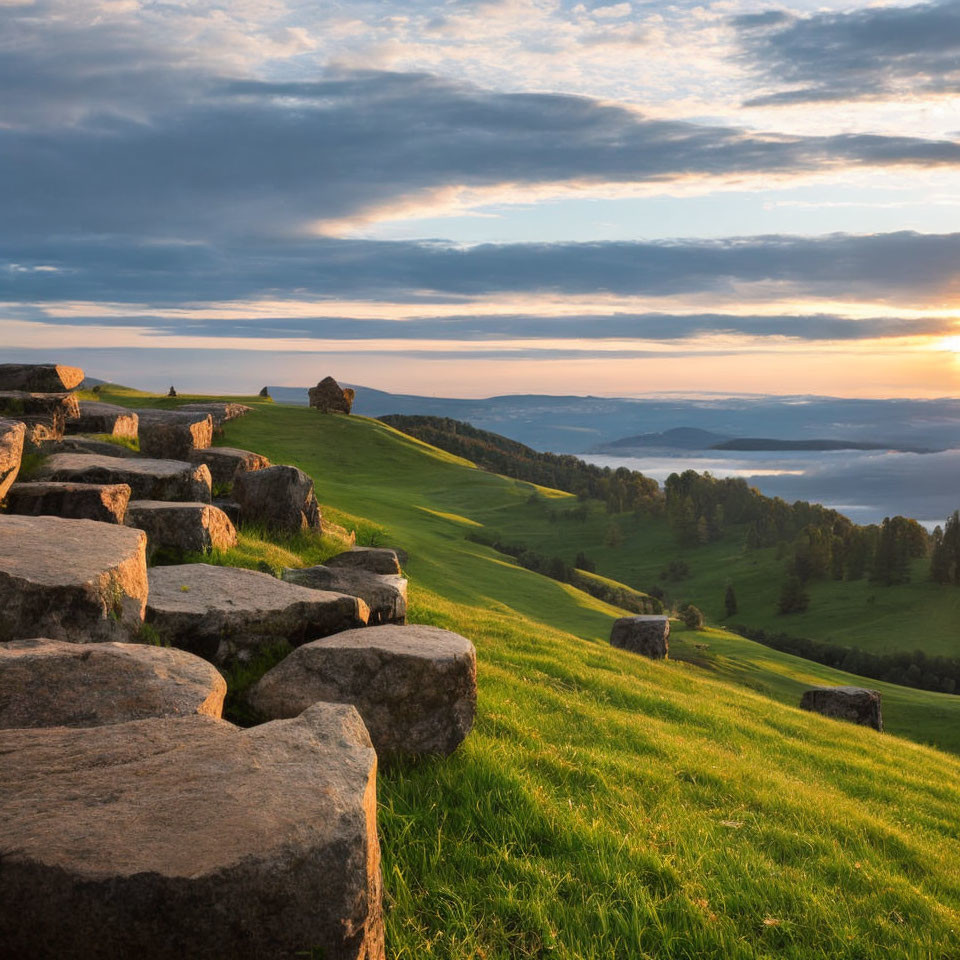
606	806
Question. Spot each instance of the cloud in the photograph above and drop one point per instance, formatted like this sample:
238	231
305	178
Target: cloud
906	268
875	53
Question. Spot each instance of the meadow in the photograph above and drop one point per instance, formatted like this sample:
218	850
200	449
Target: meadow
606	806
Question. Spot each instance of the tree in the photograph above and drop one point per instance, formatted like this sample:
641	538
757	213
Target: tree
730	601
692	616
793	597
583	562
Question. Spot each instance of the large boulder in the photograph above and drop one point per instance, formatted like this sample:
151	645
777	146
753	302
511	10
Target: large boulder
39	377
12	433
148	479
281	498
856	704
181	526
96	417
44	414
219	412
106	502
415	686
224	463
165	839
81	444
646	635
49	683
74	580
172	435
385	595
329	397
227	613
374	559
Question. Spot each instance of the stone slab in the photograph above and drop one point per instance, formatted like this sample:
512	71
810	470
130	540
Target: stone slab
96	417
39	377
181	526
12	435
106	502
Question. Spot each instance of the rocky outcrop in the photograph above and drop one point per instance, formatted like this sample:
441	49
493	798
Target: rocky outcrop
39	377
374	559
264	392
74	580
95	417
225	613
646	635
180	527
148	479
281	498
855	704
219	412
45	415
385	595
12	433
49	683
79	444
172	435
415	686
225	463
165	839
329	397
106	502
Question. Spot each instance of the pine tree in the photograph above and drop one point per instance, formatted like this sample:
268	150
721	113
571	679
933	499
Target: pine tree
730	601
793	597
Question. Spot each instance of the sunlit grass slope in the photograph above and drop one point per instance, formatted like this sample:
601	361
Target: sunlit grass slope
609	807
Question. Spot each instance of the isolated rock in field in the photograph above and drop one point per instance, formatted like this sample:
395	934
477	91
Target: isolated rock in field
12	433
281	498
385	595
225	463
106	502
49	683
647	635
172	435
75	580
415	686
856	704
329	397
165	839
374	559
148	479
219	412
226	613
95	417
181	526
39	377
45	415
79	444
264	392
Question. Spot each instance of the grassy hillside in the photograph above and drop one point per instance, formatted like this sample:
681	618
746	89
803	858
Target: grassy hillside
609	807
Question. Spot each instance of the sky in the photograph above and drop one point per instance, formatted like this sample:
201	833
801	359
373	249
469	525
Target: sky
479	197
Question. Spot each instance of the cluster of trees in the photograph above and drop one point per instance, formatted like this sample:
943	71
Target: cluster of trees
558	569
621	490
945	552
914	669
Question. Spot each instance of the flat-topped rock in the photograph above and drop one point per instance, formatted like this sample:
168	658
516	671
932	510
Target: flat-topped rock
855	704
45	415
96	417
49	683
226	613
171	434
225	463
74	580
415	686
374	559
281	498
39	377
384	594
168	839
181	526
89	445
148	479
12	433
646	635
106	502
219	412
